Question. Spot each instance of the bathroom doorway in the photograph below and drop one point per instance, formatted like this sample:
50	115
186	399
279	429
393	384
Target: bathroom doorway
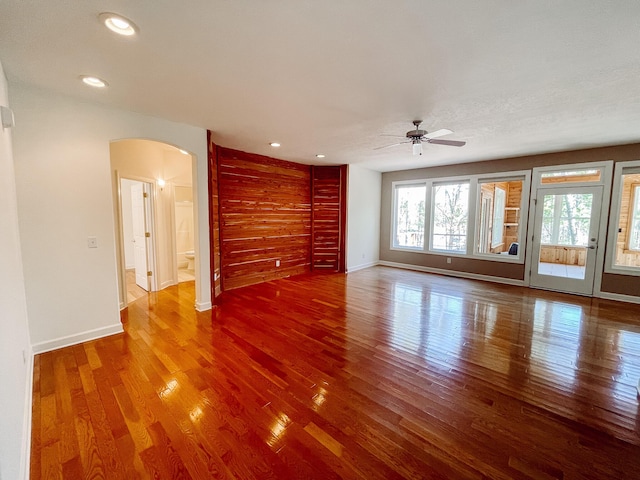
168	175
184	232
137	227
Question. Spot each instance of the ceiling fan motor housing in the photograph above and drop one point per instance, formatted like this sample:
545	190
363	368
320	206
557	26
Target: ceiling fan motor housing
416	134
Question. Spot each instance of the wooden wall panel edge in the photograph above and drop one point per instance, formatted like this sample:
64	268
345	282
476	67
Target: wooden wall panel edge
344	195
214	226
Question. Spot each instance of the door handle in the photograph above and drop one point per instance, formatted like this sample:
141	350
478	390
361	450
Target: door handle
592	247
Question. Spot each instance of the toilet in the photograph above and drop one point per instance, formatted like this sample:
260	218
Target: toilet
191	258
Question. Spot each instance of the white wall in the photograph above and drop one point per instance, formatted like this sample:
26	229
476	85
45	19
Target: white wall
64	188
15	350
363	218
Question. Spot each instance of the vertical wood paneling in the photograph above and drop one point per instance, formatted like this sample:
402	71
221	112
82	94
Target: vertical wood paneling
265	217
214	220
328	222
514	195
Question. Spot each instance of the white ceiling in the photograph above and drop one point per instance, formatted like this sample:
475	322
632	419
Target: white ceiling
334	76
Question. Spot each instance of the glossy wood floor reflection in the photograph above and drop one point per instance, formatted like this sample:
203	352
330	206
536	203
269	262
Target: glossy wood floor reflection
381	374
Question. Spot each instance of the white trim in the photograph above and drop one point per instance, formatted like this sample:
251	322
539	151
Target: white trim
362	266
203	306
25	451
612	234
74	339
619	297
167	283
606	167
474	181
394	211
453	273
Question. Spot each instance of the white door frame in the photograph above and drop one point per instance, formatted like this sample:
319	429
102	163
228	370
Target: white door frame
606	168
151	250
580	286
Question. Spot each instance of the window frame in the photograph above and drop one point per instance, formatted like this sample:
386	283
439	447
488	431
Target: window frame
520	175
634	216
394	218
473	227
432	217
621	169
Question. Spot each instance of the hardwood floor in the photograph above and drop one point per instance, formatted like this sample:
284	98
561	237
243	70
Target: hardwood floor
134	292
381	374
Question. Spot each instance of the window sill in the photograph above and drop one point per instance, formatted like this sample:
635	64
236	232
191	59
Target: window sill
489	257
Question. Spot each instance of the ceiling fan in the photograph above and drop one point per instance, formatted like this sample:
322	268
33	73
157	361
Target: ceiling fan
417	137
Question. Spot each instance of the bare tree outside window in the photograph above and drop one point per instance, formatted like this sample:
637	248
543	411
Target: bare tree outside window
410	204
450	217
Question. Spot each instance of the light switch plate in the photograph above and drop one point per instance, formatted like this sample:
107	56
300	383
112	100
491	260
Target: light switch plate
92	242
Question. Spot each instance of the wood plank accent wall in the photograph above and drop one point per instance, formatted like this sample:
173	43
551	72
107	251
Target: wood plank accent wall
328	216
265	216
214	221
564	255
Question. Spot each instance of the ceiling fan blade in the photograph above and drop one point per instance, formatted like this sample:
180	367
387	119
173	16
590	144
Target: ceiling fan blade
439	133
392	145
451	143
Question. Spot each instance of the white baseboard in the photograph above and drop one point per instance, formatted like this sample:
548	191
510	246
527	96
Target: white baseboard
619	297
203	306
454	273
25	451
77	338
362	266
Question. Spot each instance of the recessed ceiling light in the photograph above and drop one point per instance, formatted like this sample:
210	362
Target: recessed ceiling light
94	81
274	144
320	155
118	24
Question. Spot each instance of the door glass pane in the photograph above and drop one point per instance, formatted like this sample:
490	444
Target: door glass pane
564	237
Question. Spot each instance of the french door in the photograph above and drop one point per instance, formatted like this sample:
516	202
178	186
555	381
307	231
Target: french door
565	238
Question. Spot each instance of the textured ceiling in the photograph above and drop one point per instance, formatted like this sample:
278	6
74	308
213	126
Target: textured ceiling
334	77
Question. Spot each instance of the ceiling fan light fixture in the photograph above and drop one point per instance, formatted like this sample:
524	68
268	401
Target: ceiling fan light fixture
417	148
93	81
118	24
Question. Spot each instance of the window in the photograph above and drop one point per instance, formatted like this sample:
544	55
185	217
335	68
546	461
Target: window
409	216
623	247
450	215
475	215
634	223
498	216
568	176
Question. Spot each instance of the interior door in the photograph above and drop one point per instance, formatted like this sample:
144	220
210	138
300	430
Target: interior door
564	246
138	214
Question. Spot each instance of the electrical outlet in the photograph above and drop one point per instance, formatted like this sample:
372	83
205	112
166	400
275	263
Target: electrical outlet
277	263
448	259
